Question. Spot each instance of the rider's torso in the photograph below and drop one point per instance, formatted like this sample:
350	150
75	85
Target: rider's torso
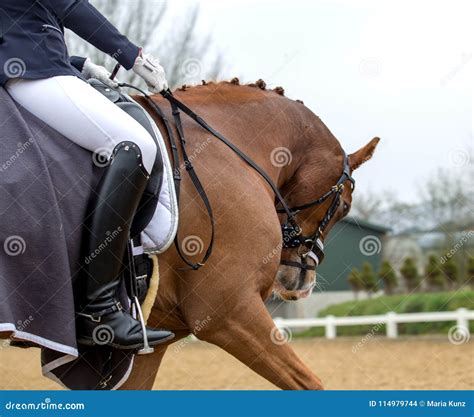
32	42
32	38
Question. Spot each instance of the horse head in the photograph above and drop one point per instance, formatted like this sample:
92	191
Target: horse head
319	191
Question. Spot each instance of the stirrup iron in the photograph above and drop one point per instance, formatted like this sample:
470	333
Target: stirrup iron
146	349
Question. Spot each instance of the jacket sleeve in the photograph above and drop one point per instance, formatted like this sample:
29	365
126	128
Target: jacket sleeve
87	22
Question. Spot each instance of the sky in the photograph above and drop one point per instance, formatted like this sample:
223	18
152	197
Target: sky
399	70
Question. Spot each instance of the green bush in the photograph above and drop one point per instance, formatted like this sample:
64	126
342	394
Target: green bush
410	274
433	274
413	303
388	277
470	271
369	280
355	281
451	271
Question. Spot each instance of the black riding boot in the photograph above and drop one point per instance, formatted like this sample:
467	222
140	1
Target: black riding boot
102	320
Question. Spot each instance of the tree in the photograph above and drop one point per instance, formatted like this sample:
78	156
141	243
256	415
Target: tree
388	277
470	271
186	57
369	281
355	281
369	206
444	203
450	271
433	274
383	207
410	274
447	199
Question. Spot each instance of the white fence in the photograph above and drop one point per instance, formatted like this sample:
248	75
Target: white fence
391	319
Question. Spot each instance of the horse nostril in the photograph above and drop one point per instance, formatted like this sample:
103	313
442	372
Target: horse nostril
293	298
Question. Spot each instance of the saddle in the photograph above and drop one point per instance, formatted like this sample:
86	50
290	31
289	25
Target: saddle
139	268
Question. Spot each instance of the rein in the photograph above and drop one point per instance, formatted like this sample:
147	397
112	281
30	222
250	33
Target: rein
291	232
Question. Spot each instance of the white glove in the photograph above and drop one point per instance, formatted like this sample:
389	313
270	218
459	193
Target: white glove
148	67
91	70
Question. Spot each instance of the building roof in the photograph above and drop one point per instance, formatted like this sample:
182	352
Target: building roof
366	225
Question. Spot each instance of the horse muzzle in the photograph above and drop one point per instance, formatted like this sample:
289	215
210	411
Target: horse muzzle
293	284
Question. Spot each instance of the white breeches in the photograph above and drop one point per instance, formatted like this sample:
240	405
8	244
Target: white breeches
83	115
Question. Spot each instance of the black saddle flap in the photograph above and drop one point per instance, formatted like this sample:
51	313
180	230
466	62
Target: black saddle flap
113	95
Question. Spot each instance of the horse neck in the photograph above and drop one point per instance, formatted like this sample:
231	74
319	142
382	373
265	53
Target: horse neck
317	158
270	124
281	144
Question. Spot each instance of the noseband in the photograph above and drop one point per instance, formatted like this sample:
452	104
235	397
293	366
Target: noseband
312	246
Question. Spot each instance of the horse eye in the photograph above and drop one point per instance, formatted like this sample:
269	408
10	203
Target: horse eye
346	208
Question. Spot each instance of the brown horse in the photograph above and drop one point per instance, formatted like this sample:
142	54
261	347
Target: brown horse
223	302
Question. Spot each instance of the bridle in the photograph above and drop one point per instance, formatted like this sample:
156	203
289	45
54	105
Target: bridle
308	246
312	245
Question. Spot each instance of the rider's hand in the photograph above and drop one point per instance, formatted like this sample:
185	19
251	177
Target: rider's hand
149	68
91	70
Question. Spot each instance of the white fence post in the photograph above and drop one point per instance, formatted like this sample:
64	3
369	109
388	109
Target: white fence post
391	323
330	327
462	320
462	316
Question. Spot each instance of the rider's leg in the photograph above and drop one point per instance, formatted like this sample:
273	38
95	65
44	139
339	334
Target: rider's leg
81	114
87	118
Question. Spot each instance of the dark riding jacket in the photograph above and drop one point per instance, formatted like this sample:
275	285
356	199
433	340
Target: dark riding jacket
32	42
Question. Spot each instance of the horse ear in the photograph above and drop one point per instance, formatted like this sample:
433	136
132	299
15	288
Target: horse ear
356	159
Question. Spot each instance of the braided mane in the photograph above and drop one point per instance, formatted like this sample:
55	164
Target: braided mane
260	84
